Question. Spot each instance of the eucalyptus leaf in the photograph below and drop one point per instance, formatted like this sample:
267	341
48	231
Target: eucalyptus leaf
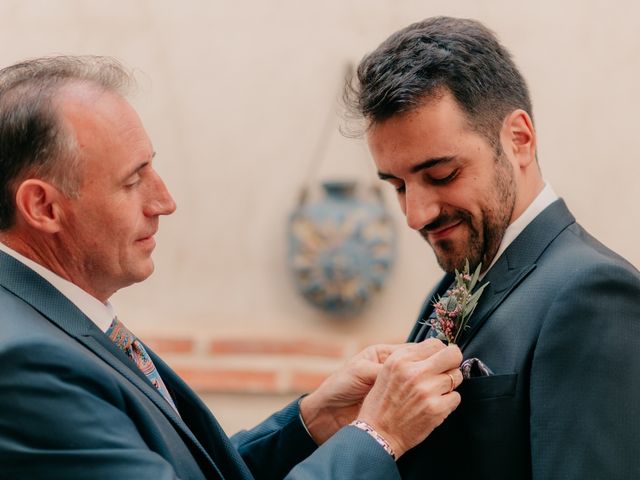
463	300
475	277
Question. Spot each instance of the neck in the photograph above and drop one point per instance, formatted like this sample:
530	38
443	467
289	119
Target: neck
34	249
530	187
44	252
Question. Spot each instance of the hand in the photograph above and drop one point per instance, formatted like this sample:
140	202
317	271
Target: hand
337	401
413	393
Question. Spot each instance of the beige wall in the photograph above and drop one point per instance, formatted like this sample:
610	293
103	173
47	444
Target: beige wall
234	94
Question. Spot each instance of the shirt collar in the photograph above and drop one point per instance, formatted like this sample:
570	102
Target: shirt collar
545	198
102	314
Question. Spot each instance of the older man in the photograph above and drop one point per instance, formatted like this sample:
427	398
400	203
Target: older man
552	346
80	395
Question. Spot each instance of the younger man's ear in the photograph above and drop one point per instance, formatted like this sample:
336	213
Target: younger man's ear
519	137
38	203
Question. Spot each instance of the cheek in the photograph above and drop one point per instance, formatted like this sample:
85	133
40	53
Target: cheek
462	199
476	193
123	222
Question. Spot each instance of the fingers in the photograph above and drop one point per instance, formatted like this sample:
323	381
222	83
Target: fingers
367	371
414	392
445	359
450	380
448	403
382	351
418	351
408	351
429	362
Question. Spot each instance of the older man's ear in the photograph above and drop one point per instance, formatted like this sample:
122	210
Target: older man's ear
39	205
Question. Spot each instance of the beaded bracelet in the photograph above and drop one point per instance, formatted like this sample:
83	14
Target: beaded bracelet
364	426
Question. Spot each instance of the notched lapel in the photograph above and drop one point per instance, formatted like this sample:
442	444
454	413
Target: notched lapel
518	260
59	310
51	304
102	347
500	286
107	351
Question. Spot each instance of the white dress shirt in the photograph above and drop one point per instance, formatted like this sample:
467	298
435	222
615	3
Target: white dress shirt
102	314
545	198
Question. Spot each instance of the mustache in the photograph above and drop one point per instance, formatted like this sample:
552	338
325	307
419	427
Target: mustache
444	219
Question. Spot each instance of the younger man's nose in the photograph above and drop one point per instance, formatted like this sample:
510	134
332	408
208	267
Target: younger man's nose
420	208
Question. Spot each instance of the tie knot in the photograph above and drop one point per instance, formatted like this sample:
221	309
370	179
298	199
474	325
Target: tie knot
120	335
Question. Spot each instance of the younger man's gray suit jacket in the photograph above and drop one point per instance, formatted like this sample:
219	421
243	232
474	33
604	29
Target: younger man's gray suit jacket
559	326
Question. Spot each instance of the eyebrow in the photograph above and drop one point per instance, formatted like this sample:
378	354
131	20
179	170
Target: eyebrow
139	167
429	163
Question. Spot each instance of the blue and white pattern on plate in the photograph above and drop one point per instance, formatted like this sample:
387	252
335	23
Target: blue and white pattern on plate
341	248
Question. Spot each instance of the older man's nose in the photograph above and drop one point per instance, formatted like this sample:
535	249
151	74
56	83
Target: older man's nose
161	202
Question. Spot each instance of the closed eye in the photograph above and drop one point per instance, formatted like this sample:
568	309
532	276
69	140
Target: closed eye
443	180
133	181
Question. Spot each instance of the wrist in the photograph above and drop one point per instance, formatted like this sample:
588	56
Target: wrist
301	417
379	438
319	424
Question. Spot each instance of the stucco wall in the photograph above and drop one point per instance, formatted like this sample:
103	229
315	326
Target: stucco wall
234	95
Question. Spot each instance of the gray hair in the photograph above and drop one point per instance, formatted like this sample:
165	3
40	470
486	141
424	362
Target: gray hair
33	139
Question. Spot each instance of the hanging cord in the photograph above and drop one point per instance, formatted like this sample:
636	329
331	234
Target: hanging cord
320	150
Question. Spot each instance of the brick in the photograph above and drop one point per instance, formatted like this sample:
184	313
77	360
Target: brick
276	347
306	381
169	345
229	380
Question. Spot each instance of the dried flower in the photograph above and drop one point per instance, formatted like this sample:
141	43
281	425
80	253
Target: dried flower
454	309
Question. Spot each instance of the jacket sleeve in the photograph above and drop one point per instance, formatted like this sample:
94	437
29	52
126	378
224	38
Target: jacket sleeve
350	454
584	391
274	446
281	443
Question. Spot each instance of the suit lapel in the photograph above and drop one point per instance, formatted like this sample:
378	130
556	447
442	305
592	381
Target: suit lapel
51	304
517	261
501	284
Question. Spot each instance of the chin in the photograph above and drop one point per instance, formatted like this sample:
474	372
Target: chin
448	257
448	262
450	265
143	272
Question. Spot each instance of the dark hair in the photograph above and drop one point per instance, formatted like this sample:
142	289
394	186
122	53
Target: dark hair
33	139
437	55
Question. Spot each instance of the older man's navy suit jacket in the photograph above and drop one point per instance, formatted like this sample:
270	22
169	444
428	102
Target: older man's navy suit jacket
73	406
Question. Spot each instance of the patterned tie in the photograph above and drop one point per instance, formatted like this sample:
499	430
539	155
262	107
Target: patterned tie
133	348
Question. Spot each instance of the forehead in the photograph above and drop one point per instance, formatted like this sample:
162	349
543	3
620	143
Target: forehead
107	131
435	119
436	128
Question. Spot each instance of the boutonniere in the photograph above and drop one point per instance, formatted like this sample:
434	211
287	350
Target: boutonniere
456	306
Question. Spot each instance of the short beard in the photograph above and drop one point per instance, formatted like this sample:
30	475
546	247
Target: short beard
485	238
